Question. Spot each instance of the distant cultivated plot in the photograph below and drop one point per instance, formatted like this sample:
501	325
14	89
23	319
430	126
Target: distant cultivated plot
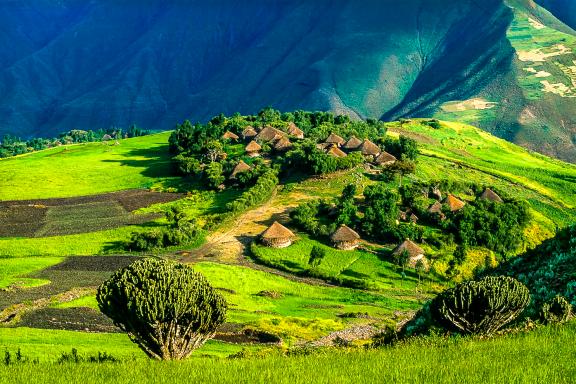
68	216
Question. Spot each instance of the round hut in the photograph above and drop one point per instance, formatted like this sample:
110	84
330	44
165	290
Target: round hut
277	236
253	149
490	195
249	133
352	144
240	168
415	253
230	136
345	238
294	131
454	203
335	139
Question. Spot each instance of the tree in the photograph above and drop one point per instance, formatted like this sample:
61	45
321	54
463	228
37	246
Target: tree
166	308
403	259
401	168
408	148
381	212
317	254
556	311
214	174
420	268
481	307
214	151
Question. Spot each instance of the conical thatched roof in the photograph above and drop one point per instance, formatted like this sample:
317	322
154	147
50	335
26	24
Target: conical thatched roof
454	203
295	131
490	195
277	231
408	245
282	144
239	168
253	147
230	135
336	152
353	143
324	146
335	139
344	234
435	208
385	158
249	132
268	134
368	148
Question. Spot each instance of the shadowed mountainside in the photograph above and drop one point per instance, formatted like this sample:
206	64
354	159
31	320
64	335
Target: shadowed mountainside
90	64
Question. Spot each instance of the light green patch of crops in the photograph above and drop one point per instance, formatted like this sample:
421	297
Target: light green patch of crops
86	169
13	271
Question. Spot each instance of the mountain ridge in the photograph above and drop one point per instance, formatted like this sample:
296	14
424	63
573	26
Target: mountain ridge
99	64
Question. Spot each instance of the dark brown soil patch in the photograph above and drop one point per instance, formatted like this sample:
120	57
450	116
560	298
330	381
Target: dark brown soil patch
67	216
74	272
70	319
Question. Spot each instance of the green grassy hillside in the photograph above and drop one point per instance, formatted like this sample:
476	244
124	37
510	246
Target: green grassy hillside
46	288
545	355
87	169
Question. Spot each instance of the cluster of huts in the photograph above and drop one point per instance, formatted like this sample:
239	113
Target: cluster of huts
345	238
454	204
339	147
277	139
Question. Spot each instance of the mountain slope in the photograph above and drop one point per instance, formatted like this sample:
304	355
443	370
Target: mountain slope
80	64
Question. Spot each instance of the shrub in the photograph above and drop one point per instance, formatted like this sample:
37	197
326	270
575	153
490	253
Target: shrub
481	307
556	311
166	308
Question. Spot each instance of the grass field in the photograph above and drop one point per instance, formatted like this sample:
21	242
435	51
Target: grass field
468	154
87	169
542	356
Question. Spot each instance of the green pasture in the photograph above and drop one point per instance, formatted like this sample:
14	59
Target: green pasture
87	169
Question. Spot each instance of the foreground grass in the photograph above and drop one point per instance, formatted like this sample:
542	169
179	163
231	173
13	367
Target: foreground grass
543	356
86	169
47	345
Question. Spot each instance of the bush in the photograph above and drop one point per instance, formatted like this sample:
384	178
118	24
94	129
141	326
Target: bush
259	193
556	311
166	308
481	307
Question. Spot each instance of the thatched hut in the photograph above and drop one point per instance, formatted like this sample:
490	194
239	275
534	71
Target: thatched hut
325	146
335	139
413	218
293	130
345	238
282	144
415	253
368	148
490	195
253	149
352	144
240	168
453	203
336	152
268	134
277	236
249	133
230	136
385	158
435	208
